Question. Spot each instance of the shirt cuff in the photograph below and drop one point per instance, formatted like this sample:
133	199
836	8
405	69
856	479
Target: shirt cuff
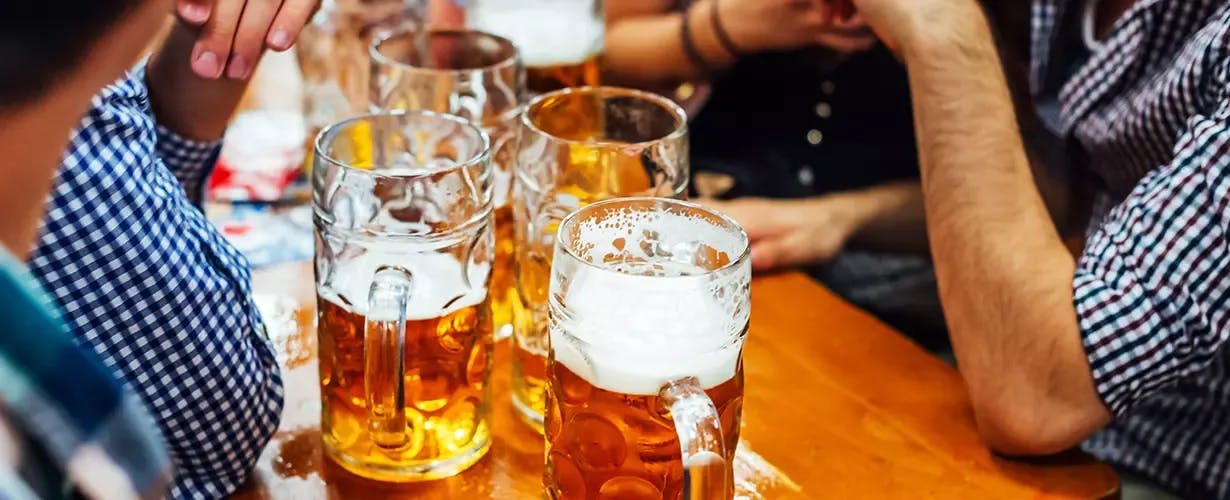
190	161
1129	347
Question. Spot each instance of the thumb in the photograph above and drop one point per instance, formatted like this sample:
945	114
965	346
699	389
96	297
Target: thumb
769	254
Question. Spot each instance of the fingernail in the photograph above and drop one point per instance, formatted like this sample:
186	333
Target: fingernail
194	13
206	65
238	68
280	38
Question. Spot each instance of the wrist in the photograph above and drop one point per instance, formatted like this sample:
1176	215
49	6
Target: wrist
965	32
846	212
704	38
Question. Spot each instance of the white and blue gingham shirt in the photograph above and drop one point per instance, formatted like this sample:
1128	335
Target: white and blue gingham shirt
147	283
1148	114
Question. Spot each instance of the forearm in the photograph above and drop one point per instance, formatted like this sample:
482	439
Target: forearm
889	217
183	102
1004	274
648	50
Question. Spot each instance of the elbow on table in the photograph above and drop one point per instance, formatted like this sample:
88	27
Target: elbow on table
1024	428
217	436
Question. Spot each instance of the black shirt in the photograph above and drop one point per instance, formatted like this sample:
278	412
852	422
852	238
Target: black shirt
802	123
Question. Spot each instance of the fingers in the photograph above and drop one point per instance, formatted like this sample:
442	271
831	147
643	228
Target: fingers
794	249
213	47
846	44
755	215
291	18
250	37
193	12
768	255
444	13
823	9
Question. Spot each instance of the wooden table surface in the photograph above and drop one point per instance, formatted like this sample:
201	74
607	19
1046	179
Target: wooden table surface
837	405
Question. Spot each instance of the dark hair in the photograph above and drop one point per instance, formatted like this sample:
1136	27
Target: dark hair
41	40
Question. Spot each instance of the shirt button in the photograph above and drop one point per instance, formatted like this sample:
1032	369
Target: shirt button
815	137
824	110
806	176
828	87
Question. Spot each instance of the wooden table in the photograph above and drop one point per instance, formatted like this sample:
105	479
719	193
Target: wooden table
837	405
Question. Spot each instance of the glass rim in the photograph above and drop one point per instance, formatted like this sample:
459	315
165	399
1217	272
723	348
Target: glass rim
564	241
379	57
670	106
732	339
331	131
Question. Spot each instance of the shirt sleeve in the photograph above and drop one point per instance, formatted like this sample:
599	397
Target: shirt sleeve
1152	290
156	291
190	161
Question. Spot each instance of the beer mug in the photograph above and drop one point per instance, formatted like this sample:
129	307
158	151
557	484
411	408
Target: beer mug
578	146
332	50
560	40
402	213
476	76
649	310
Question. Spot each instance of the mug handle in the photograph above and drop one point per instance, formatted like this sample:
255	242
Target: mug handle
384	353
706	474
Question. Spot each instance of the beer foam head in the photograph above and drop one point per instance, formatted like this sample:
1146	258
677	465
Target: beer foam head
656	315
546	33
438	285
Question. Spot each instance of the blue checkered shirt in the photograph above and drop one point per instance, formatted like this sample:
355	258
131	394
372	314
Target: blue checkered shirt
1148	113
147	283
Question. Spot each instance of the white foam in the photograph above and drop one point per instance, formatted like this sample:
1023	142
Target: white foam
437	281
546	33
642	331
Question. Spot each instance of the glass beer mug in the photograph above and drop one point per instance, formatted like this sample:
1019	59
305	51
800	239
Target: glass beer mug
560	41
476	76
578	146
649	310
402	204
332	51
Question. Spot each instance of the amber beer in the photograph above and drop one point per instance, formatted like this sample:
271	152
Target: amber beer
403	268
447	352
608	444
560	40
577	147
505	304
649	309
555	76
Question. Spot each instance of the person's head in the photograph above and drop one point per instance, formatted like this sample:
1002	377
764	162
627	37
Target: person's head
47	44
54	55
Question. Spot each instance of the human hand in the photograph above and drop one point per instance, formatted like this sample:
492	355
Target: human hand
766	25
904	23
234	33
790	233
847	35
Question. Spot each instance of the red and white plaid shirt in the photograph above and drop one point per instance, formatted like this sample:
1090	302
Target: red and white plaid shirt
1147	112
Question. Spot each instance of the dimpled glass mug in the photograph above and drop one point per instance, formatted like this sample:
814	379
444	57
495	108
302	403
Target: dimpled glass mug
649	310
404	249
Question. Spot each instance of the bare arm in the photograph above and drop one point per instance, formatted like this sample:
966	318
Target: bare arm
214	41
808	231
891	217
1005	276
644	45
194	107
